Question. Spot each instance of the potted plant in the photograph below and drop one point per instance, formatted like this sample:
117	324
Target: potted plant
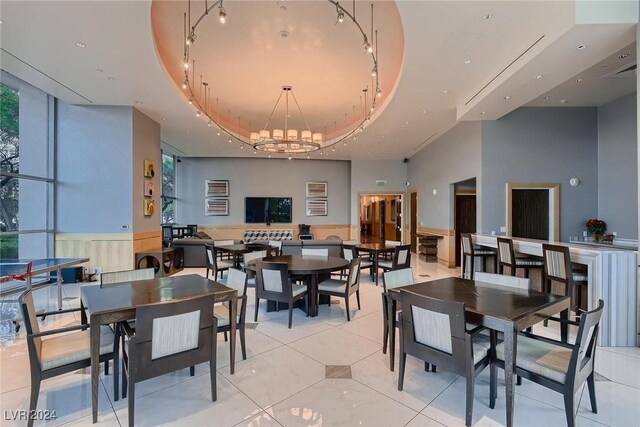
596	227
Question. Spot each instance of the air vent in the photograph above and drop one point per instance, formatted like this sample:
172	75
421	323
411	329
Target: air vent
417	147
625	72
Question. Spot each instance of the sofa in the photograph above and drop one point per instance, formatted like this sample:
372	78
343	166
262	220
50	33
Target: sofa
194	253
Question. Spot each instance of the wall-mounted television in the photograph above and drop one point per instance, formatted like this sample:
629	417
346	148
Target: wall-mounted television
267	210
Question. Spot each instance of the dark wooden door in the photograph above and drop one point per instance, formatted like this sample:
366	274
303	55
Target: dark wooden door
398	216
530	214
383	219
465	218
414	221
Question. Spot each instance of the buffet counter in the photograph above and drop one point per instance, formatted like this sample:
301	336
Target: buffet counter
613	277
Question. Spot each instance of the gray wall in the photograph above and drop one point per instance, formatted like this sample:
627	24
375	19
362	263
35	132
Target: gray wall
261	178
618	166
146	146
93	169
455	156
364	174
542	145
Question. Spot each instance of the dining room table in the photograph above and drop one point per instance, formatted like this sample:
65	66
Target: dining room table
118	302
496	307
375	249
310	268
238	249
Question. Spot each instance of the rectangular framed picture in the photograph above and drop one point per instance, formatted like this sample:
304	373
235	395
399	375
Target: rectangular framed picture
216	188
148	187
316	189
216	207
148	207
316	208
149	171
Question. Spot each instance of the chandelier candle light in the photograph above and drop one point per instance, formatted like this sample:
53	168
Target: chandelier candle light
285	141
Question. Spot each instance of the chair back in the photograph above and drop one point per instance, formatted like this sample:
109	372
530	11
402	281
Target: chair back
557	263
126	276
237	280
31	325
401	257
191	230
276	244
333	237
167	232
396	278
349	242
392	243
173	335
506	255
349	252
354	274
583	354
324	252
434	330
210	259
503	280
467	244
223	242
251	256
272	281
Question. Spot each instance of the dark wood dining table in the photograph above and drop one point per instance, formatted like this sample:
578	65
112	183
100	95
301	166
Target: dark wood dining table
375	249
238	249
310	268
496	307
117	303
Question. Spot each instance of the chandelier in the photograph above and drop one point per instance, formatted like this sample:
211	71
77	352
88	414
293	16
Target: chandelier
277	140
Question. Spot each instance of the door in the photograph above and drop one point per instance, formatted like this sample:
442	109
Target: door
530	213
383	220
398	214
465	218
414	221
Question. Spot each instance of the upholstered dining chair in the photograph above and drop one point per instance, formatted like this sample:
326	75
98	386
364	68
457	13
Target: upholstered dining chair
503	280
126	276
64	350
215	264
274	284
392	279
248	258
469	252
559	366
434	330
315	252
277	245
391	244
401	259
558	268
344	288
349	252
507	258
169	336
237	280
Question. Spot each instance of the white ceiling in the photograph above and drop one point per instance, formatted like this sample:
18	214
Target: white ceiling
38	40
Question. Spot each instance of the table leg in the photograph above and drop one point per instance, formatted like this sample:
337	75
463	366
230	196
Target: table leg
510	350
313	296
94	332
375	265
564	326
391	307
233	315
59	283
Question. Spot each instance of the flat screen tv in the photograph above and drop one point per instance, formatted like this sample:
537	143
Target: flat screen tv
267	210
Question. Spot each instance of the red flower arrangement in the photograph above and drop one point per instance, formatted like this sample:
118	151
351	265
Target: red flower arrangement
596	226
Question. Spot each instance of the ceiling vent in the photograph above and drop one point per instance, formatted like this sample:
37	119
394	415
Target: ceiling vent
625	72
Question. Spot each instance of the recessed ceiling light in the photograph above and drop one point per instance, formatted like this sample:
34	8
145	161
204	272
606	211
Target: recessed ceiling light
624	55
139	102
581	47
445	91
99	70
547	97
507	97
406	123
1	21
483	112
539	76
424	111
467	61
111	78
81	45
579	80
487	16
164	119
563	101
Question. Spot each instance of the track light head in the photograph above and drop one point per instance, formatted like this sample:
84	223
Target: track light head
222	15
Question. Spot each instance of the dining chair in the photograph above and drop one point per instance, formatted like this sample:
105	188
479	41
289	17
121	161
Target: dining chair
557	365
237	280
277	245
558	268
390	244
469	252
401	259
64	350
344	288
215	263
274	284
503	280
434	330
169	336
315	252
507	258
349	242
390	280
349	252
126	276
248	258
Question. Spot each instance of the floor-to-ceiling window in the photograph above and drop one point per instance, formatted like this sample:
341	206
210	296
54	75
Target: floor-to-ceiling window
26	170
168	189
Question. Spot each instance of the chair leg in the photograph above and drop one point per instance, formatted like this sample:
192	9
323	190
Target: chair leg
402	363
427	367
255	316
469	410
591	383
569	408
290	313
358	298
243	344
106	367
33	402
132	396
518	380
124	379
433	368
493	386
306	304
212	371
346	303
226	337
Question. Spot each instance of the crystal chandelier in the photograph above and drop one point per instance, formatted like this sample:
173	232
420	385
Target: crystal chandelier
285	141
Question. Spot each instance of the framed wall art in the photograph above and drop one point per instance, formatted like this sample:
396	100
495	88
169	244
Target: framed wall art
149	171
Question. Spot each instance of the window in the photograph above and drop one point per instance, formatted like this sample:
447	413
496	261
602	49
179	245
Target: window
26	170
168	189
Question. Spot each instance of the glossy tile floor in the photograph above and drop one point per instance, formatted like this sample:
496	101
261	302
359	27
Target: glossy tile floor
284	380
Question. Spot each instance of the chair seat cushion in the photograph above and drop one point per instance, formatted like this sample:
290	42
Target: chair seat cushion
72	347
529	262
580	277
223	264
481	347
545	359
332	285
251	281
221	312
385	264
298	289
365	263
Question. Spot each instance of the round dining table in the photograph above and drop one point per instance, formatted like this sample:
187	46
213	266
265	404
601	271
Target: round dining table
375	249
310	268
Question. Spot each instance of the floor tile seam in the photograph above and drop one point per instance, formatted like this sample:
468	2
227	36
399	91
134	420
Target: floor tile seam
290	396
113	408
250	399
361	336
308	336
439	394
389	397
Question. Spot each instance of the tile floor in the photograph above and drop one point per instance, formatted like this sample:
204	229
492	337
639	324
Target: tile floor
324	371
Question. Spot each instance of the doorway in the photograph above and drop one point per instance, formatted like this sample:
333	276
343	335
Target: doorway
414	221
381	217
533	211
464	211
